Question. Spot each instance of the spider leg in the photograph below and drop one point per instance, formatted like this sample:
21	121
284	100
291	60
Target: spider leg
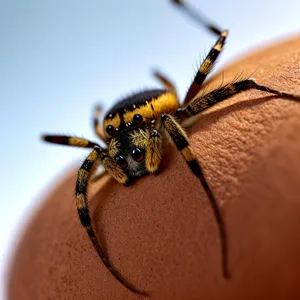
154	151
200	104
86	170
69	141
199	18
165	81
205	68
97	127
181	141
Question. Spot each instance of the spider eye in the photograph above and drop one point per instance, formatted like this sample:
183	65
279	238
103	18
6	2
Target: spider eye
110	129
121	161
137	119
138	154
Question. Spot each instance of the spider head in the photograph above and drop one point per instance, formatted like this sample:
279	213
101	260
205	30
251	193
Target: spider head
128	149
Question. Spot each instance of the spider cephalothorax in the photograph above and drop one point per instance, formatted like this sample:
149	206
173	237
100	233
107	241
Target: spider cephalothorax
131	129
134	131
128	149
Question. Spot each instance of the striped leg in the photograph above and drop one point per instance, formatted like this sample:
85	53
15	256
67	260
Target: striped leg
84	174
200	104
181	141
197	17
69	141
154	151
205	68
97	127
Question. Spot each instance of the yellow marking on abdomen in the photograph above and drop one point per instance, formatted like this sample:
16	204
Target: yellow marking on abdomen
165	103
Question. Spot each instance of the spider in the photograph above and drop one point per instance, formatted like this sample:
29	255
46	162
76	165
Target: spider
135	129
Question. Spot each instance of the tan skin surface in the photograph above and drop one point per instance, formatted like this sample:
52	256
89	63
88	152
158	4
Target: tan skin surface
160	232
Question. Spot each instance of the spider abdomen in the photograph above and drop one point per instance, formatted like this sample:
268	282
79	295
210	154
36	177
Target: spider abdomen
140	107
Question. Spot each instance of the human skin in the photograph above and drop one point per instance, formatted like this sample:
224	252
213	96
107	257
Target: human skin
160	232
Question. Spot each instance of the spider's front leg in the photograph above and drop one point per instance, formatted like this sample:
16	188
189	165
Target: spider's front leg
86	170
180	139
69	141
153	151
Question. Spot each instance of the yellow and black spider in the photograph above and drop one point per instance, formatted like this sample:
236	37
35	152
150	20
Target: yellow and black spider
135	130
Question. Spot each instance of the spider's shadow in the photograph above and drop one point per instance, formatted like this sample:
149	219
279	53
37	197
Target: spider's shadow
210	118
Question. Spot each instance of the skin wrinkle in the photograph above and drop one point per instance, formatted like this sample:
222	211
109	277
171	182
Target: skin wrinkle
160	232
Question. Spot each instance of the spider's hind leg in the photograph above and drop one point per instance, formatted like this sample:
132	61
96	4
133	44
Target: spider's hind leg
181	141
209	100
167	83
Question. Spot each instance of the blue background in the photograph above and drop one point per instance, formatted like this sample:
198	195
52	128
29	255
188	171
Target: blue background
59	58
